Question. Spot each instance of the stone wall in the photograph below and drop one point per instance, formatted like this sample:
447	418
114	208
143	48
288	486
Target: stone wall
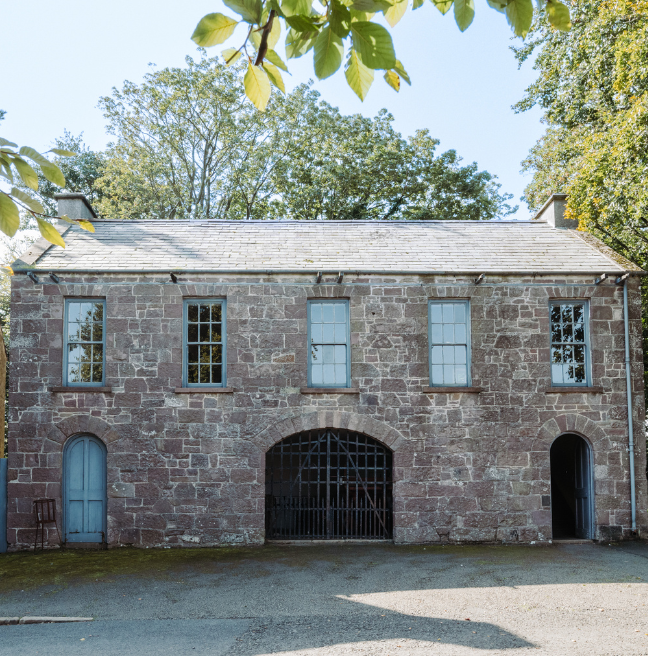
189	468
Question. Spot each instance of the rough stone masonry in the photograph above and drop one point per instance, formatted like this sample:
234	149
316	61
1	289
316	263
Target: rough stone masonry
188	468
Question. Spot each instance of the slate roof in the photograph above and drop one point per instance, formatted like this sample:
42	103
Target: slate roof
394	246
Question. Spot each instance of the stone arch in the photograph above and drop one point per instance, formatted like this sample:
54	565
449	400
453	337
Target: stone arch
572	423
59	433
378	430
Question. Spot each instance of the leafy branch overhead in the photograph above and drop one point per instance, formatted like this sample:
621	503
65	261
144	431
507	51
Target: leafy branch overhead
13	167
332	27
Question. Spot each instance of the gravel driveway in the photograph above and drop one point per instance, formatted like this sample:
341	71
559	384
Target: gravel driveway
317	600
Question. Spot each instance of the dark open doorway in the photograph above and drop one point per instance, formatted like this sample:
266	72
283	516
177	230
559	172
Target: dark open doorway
571	488
329	484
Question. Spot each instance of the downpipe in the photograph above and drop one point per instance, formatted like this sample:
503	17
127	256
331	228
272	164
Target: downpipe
633	501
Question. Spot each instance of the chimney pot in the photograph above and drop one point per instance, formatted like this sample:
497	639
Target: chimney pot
76	206
553	213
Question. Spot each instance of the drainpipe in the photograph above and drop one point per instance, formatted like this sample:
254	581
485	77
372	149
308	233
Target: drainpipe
633	502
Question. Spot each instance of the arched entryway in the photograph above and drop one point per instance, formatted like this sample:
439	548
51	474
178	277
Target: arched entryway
84	489
328	484
572	488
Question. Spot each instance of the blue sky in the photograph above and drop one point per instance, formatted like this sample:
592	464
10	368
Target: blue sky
58	58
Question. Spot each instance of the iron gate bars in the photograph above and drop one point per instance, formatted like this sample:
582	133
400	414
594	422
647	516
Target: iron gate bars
329	484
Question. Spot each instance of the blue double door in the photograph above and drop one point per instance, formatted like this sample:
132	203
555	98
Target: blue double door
84	490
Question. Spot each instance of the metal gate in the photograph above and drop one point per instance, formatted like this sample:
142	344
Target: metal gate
329	484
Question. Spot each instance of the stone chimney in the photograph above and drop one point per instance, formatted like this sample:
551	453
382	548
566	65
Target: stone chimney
553	213
76	206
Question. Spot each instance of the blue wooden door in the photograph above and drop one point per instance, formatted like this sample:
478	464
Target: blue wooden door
84	473
583	491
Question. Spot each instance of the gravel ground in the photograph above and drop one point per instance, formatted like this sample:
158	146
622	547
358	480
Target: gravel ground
367	599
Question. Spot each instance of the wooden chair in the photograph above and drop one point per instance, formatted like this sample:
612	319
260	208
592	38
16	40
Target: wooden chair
45	511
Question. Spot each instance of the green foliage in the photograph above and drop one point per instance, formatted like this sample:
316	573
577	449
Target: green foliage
593	87
339	25
188	145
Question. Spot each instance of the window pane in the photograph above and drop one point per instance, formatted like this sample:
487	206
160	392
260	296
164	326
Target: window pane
329	354
448	374
86	353
437	355
340	313
74	373
192	373
579	313
328	374
316	333
192	354
217	354
97	313
448	333
460	333
436	313
97	332
204	373
328	333
340	354
340	374
316	374
204	332
85	330
460	354
448	355
86	372
192	332
566	313
192	312
580	373
74	310
460	313
74	332
97	353
328	312
448	313
74	353
217	373
555	314
216	313
204	313
316	312
437	333
97	373
216	333
437	374
340	333
556	373
579	354
461	376
567	332
316	355
579	332
205	353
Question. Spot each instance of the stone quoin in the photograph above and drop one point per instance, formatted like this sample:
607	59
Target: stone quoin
184	450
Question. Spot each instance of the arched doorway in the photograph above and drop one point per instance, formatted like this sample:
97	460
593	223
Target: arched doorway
329	484
84	490
572	489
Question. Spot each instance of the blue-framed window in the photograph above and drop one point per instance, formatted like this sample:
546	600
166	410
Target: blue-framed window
329	343
569	343
84	351
205	339
449	341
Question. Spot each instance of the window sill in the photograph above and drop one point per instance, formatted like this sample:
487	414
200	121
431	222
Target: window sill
74	390
574	390
204	390
452	390
330	390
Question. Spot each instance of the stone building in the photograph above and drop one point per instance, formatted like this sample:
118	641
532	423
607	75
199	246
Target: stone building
211	382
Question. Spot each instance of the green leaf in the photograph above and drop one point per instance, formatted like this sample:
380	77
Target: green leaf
249	10
34	155
373	43
396	12
255	39
558	15
257	86
464	11
398	67
275	33
49	232
499	5
299	43
417	3
361	16
392	80
31	203
86	225
231	56
340	19
5	169
9	216
358	76
296	7
213	29
274	58
519	14
371	5
328	53
274	76
62	152
302	24
4	142
67	219
54	174
442	5
26	172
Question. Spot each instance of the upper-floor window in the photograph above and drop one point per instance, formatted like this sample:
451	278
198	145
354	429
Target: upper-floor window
329	359
569	343
204	342
85	340
449	325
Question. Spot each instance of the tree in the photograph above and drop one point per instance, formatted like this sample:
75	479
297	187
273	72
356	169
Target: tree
593	87
188	145
336	23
